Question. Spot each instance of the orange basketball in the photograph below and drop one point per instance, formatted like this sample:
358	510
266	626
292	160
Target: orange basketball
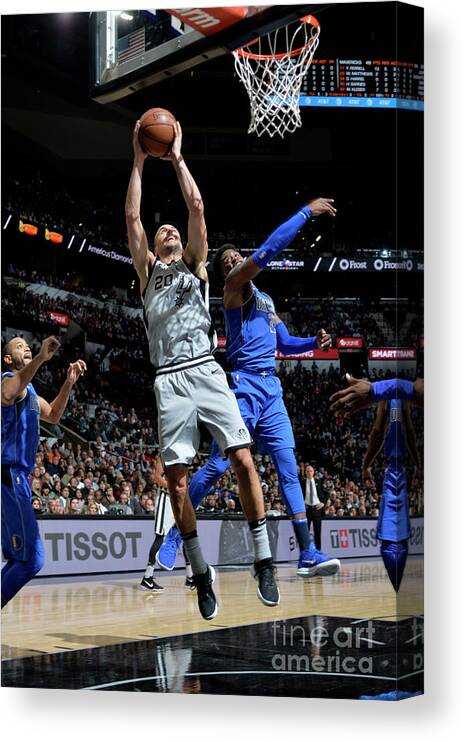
156	133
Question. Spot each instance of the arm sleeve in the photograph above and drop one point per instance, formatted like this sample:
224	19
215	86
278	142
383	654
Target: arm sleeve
280	238
392	389
288	344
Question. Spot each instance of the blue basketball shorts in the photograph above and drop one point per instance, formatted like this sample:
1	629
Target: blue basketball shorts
20	532
260	400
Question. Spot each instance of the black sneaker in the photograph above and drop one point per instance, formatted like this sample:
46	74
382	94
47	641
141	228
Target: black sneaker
190	584
208	606
148	583
267	589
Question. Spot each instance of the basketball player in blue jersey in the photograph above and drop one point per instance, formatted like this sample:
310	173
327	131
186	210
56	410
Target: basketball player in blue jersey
254	332
393	428
22	409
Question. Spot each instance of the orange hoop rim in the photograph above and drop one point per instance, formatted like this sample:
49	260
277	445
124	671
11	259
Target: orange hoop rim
241	52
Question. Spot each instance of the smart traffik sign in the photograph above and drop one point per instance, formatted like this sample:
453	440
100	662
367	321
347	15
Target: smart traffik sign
392	354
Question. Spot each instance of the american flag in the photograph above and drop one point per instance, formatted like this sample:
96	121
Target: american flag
131	46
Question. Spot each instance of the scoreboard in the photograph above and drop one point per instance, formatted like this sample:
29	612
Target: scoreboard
364	83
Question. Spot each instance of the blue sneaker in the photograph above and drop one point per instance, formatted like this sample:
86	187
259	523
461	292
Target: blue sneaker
313	563
166	557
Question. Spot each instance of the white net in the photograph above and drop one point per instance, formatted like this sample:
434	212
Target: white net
272	69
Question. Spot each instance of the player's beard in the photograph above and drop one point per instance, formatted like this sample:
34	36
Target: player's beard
20	363
172	249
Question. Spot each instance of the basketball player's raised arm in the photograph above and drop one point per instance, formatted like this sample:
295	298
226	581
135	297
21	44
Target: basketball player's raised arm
137	239
196	252
276	242
13	386
52	412
376	440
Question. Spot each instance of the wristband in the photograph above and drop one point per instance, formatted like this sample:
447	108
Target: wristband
392	389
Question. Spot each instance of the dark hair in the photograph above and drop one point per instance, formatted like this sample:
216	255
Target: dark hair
217	259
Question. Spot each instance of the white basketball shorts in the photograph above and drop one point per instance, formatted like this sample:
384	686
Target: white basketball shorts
186	398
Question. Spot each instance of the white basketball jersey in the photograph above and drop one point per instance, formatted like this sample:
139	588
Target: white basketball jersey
177	318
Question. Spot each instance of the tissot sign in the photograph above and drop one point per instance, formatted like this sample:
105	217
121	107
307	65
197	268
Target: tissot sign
93	545
357	537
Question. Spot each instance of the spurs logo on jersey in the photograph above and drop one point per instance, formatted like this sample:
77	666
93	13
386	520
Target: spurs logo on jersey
176	315
184	286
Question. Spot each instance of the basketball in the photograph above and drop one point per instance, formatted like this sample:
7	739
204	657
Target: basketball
156	133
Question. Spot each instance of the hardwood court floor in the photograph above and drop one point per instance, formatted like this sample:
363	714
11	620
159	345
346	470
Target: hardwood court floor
59	615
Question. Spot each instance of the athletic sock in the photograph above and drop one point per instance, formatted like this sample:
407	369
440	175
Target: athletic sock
394	554
302	533
154	549
194	553
189	572
261	543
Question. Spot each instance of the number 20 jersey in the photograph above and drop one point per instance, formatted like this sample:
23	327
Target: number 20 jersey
177	318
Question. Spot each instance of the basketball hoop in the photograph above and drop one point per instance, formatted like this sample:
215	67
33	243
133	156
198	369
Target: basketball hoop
272	69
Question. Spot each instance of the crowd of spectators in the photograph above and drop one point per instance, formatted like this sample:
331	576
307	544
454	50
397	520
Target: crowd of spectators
112	411
114	472
75	284
379	325
97	213
44	201
106	324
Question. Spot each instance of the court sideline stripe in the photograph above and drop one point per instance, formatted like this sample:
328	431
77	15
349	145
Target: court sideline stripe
251	672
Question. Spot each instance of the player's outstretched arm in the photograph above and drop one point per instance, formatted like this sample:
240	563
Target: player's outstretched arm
357	396
376	440
14	386
361	394
137	239
290	344
196	251
52	412
276	242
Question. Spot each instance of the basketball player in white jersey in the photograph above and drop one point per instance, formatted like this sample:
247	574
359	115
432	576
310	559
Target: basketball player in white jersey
190	387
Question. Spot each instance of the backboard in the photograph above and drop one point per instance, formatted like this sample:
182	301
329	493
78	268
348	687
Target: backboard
135	48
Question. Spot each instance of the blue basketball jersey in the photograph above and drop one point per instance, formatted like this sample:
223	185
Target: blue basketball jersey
395	445
21	430
251	334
